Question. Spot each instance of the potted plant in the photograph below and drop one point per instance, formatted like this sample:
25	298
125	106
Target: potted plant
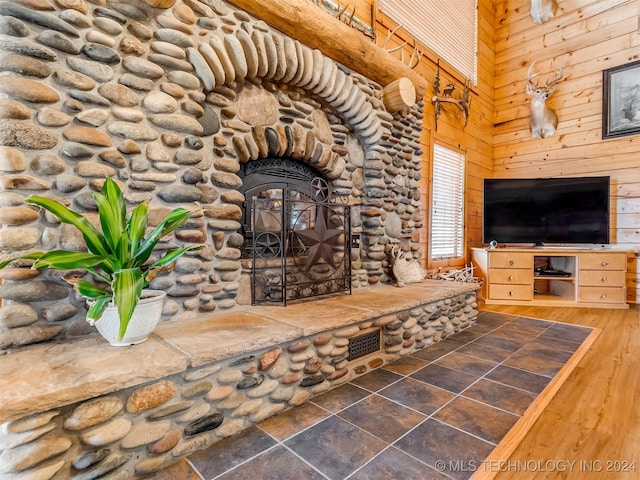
118	256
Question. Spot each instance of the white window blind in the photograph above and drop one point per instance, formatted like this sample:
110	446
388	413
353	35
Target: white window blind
448	27
447	204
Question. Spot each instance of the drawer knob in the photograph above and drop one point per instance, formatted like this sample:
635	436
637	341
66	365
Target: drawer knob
510	277
603	279
512	262
604	264
603	296
511	294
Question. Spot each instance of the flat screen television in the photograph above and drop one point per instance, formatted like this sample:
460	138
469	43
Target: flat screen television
566	210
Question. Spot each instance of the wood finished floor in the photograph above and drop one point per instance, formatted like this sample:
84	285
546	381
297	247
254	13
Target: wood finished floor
594	419
397	422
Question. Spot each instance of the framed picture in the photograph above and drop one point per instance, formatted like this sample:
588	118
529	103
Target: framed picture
621	100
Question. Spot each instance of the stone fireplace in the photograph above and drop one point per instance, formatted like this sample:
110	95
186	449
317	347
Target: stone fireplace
173	104
181	106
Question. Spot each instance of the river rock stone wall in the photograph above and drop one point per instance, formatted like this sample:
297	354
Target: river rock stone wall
170	102
134	432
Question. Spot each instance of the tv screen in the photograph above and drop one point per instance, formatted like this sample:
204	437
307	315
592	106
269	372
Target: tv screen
546	210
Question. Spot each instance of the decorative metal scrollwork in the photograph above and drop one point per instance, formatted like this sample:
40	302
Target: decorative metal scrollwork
320	189
268	245
271	286
340	199
320	240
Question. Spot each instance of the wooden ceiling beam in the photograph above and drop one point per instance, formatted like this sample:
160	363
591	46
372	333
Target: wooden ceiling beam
312	26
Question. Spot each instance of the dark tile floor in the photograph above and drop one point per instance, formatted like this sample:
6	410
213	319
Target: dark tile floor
433	415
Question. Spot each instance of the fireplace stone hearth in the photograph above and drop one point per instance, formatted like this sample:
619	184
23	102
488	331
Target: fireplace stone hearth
80	409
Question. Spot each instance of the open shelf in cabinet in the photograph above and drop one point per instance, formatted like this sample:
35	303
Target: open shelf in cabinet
555	288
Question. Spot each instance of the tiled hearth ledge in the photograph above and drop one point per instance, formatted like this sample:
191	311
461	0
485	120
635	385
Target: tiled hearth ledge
78	409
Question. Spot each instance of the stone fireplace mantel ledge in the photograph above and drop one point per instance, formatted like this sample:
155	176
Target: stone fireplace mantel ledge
46	376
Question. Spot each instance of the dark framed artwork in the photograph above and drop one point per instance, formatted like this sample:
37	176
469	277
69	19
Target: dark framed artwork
621	100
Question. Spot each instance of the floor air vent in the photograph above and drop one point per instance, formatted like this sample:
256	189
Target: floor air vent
364	344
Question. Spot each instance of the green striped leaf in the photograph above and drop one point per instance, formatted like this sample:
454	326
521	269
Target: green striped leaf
122	252
110	222
97	307
174	255
64	260
92	237
89	290
127	287
112	192
28	256
175	219
137	226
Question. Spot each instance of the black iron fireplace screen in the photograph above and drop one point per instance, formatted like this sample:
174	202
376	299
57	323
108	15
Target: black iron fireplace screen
297	234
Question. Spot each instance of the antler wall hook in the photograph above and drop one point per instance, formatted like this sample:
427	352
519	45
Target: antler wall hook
463	103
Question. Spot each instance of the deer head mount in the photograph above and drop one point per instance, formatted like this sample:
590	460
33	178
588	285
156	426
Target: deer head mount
446	97
544	121
542	10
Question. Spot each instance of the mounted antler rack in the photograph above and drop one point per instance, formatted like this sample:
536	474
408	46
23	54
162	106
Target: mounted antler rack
342	13
416	53
463	103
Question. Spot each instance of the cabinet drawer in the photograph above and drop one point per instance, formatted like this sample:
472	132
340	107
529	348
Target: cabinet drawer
603	278
510	260
510	292
603	261
510	276
602	294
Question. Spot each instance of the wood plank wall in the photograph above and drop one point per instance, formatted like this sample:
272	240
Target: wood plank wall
584	38
476	139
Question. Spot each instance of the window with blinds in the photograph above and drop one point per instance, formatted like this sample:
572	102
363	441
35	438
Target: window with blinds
447	204
448	27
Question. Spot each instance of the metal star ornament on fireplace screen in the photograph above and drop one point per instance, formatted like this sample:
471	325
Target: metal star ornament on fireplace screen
320	240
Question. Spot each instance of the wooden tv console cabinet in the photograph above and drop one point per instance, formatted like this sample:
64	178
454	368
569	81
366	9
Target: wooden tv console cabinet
552	277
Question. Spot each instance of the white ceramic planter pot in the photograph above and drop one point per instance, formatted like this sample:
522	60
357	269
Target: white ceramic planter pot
144	319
